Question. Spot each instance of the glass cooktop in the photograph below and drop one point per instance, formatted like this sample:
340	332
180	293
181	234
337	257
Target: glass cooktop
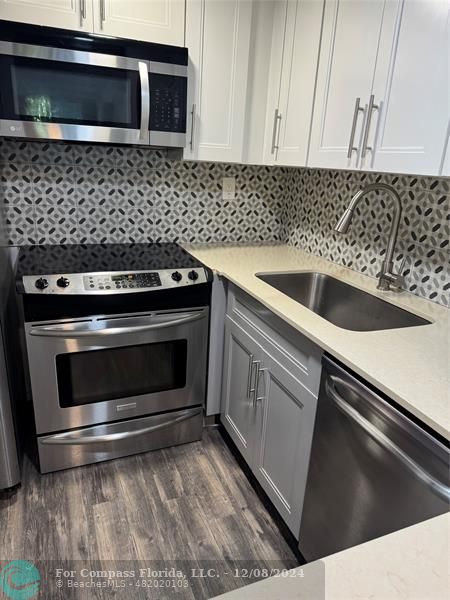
92	258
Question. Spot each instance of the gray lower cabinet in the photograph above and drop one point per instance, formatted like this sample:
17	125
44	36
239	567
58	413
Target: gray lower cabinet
287	412
238	414
269	413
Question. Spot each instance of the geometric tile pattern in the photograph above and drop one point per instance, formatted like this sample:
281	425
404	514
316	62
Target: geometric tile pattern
76	193
317	197
53	192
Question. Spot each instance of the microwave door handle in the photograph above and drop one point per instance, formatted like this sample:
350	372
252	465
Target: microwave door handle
81	438
52	331
145	102
382	439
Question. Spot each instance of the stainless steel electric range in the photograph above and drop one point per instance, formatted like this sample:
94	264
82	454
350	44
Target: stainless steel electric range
117	340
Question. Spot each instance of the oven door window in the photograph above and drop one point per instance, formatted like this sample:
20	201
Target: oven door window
62	92
122	372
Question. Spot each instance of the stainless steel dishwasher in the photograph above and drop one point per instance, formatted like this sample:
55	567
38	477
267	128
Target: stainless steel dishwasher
372	469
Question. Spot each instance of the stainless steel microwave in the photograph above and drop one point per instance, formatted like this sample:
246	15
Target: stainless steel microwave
62	85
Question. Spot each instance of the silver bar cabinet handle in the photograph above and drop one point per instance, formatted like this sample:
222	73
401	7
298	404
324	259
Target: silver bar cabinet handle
372	106
250	371
102	13
383	439
51	331
75	439
256	363
356	112
82	11
145	101
191	141
257	398
276	121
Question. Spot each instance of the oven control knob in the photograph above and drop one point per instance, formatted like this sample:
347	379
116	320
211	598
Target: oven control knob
193	275
62	282
41	283
177	276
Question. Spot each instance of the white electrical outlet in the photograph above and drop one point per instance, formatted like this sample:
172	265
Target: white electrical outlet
228	188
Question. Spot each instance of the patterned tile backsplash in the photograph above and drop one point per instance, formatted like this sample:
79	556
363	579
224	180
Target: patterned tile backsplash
316	198
73	193
66	193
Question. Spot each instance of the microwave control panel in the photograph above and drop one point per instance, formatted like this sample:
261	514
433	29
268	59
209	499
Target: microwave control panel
168	103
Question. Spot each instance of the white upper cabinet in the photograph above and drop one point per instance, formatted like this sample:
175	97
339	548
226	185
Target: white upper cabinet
288	121
382	99
159	21
348	55
272	81
218	39
411	88
65	14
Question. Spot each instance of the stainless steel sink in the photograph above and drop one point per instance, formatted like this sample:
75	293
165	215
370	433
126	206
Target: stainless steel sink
341	304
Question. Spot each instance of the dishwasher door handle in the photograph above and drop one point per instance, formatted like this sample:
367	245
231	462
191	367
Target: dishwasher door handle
382	439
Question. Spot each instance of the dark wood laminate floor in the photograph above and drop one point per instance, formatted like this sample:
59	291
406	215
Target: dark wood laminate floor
188	507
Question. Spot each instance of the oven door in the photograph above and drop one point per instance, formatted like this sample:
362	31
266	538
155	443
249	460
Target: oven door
62	94
102	369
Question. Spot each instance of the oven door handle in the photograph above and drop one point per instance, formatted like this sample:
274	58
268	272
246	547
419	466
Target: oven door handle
57	331
80	437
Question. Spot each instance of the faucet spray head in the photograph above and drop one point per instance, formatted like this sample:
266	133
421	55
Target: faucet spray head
344	222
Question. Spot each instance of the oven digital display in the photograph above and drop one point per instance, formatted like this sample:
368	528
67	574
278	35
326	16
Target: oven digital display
129	277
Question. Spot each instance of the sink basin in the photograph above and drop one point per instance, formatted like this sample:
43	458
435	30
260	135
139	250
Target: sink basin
341	304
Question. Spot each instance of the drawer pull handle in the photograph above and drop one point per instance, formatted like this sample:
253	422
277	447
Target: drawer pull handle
80	438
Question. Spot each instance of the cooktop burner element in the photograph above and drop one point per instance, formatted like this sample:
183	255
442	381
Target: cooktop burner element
106	269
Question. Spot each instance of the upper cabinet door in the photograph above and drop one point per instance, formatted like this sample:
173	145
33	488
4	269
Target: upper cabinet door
292	123
159	21
218	39
411	89
66	14
348	55
276	54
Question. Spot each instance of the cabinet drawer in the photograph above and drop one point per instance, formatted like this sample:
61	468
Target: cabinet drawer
298	354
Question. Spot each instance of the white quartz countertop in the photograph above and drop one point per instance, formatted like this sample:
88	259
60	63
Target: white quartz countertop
410	564
411	365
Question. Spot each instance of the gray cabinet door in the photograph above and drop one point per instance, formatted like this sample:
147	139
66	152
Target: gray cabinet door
238	409
285	411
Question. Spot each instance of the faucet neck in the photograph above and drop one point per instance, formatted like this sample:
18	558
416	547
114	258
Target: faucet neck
388	263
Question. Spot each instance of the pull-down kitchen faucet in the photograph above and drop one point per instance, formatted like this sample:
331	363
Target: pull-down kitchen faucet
388	280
